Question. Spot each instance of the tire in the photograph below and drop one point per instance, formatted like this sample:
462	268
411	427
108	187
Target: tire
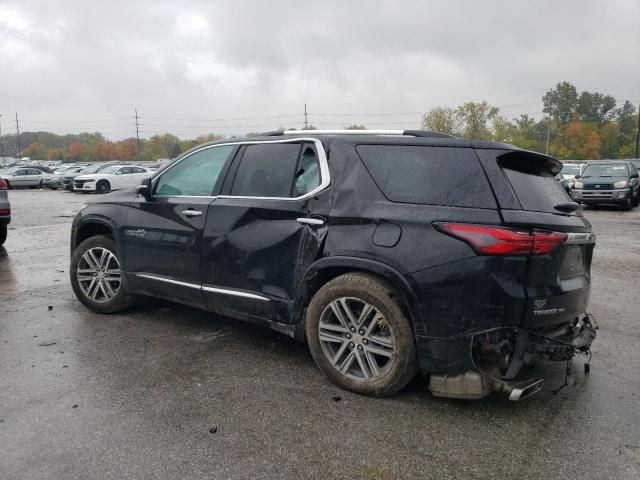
386	321
98	298
8	185
629	203
103	187
3	234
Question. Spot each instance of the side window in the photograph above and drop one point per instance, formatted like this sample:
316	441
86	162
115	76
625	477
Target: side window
138	170
124	171
308	175
196	175
267	170
33	171
428	175
20	172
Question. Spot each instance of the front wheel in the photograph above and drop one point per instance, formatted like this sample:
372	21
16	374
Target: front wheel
96	277
3	234
629	203
360	337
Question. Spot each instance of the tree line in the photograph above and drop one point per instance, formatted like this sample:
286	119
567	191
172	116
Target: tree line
585	125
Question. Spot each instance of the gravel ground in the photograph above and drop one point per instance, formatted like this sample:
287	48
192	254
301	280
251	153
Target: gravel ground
136	395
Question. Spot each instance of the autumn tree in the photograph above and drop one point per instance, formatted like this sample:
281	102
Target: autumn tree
34	150
475	118
75	150
443	120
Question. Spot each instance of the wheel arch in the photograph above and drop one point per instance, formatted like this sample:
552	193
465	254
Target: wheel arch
91	227
326	269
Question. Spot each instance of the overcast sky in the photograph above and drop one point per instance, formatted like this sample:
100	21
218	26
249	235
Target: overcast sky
239	66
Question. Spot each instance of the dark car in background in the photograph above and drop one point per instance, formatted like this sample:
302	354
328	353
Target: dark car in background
608	183
5	210
370	246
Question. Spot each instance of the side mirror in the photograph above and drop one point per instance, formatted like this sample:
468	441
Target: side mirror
577	176
144	189
635	175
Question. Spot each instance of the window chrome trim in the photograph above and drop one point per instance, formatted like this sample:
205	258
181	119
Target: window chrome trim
325	179
167	280
235	293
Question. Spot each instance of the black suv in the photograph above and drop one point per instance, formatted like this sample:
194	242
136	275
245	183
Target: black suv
388	252
608	183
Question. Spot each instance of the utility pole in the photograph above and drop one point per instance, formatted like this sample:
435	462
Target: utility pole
306	118
548	134
137	134
19	149
638	135
1	144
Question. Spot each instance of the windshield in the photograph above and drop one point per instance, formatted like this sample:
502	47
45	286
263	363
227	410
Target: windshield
606	170
89	170
110	169
570	170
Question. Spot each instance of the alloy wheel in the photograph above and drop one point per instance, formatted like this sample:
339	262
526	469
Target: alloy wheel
99	275
356	339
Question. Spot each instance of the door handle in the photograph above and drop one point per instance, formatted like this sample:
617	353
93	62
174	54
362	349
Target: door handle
310	221
191	213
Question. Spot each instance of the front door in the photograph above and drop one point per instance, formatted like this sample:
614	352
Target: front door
162	239
266	229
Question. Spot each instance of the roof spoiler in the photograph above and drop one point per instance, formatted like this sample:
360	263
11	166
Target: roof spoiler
406	133
524	158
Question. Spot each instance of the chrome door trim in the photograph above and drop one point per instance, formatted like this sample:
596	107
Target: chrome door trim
168	280
235	293
310	221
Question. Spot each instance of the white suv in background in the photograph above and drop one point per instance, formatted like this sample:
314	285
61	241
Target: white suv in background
113	177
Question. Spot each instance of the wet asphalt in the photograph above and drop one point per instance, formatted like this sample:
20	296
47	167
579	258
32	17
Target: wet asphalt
137	395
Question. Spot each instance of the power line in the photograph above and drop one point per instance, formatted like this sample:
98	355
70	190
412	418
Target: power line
137	134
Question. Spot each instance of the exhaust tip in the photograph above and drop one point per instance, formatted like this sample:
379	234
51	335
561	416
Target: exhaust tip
522	391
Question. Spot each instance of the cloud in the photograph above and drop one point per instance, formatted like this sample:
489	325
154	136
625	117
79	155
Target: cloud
201	66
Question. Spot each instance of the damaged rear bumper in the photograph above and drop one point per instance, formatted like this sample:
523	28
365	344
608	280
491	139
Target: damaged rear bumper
498	355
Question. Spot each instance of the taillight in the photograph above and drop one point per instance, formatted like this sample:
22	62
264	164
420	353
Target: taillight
3	184
489	240
4	212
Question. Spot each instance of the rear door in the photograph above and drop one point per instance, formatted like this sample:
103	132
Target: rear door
266	229
558	283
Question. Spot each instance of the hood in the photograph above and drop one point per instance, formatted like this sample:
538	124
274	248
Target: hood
86	177
592	180
119	196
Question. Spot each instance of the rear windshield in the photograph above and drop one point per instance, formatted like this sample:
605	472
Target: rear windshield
428	175
535	186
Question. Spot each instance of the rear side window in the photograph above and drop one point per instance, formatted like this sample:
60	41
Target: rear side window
428	175
535	186
267	170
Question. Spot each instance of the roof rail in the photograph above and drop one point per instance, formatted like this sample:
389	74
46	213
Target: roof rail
408	133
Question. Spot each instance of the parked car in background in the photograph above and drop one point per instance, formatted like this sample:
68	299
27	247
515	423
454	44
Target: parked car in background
5	210
608	183
569	172
24	177
113	177
67	178
383	258
55	181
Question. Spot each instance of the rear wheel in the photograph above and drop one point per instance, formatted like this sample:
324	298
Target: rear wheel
103	186
96	277
3	234
360	337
